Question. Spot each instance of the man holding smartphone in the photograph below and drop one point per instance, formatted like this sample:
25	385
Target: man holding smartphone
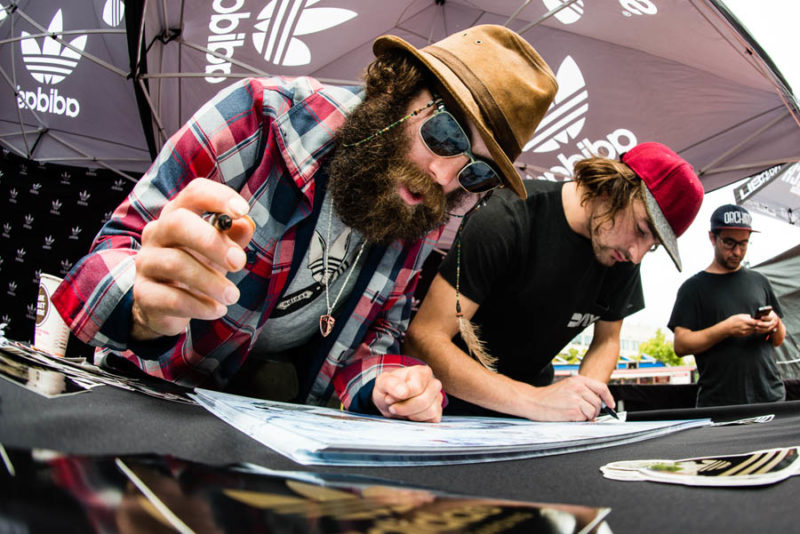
729	318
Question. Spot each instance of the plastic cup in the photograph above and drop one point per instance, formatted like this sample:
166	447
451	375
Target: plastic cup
51	333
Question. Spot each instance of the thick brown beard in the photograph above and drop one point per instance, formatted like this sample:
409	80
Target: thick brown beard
364	178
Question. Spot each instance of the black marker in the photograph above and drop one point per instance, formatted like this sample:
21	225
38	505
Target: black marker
220	221
608	411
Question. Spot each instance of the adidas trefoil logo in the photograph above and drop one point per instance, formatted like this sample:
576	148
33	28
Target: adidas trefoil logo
55	207
37	274
278	28
12	196
66	265
638	7
65	178
6	230
273	39
118	185
52	62
12	288
35	188
30	312
569	14
76	232
48	242
113	12
20	255
566	116
84	197
28	222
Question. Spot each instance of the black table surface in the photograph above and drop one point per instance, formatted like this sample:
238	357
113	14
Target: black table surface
107	420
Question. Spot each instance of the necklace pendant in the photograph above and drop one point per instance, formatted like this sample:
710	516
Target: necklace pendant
326	323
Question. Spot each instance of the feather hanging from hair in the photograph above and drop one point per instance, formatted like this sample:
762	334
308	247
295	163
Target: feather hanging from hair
470	334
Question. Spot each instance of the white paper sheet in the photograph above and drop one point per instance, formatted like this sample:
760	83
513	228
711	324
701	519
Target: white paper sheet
314	435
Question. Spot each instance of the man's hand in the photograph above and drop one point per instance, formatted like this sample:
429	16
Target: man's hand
577	398
741	325
181	266
411	393
768	323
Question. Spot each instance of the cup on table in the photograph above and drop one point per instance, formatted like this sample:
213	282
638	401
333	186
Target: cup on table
51	333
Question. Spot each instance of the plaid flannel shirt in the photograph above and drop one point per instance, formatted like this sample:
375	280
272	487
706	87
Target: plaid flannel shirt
265	138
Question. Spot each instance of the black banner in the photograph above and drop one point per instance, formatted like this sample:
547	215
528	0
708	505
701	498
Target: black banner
49	215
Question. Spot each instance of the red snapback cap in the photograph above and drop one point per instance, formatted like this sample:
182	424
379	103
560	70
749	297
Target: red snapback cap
672	191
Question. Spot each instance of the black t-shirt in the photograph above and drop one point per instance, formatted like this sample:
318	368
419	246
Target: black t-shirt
737	370
537	282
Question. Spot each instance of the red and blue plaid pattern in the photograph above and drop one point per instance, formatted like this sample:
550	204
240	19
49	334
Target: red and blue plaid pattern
265	138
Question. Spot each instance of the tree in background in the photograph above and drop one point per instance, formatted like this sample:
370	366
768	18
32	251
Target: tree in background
659	348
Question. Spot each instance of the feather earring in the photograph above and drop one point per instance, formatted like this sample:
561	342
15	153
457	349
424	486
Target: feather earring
470	333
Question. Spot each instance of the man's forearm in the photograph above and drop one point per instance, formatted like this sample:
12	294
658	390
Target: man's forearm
691	342
601	358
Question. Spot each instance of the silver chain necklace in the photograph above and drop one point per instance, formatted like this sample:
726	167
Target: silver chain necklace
327	321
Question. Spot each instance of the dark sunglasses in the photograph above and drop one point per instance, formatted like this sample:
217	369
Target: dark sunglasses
445	137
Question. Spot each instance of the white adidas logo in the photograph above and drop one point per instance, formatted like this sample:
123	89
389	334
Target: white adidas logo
569	14
113	12
564	122
566	116
573	12
52	62
277	30
280	23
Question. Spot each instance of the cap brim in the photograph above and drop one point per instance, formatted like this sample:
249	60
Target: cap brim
662	227
459	92
734	228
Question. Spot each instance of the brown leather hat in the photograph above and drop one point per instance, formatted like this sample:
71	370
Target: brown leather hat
501	83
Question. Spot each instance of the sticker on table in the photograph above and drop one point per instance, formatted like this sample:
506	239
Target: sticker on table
756	468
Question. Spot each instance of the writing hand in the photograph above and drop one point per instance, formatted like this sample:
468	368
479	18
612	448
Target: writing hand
181	266
577	398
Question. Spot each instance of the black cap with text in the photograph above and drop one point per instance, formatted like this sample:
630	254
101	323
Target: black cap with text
731	217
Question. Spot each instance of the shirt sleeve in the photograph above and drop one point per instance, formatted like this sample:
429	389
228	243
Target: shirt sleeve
623	293
379	350
222	142
685	312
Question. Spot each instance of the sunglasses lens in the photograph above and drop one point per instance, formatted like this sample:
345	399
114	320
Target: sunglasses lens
444	136
478	177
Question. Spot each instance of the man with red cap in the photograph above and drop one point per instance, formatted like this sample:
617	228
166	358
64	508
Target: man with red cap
730	319
532	275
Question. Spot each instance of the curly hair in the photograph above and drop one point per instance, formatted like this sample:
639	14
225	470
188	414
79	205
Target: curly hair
610	180
396	73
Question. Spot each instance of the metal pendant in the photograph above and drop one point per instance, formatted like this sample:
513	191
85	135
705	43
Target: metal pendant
326	323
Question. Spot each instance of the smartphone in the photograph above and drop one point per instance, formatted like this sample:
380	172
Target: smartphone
762	312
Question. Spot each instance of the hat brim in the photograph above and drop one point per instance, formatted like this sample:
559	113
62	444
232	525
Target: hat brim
662	227
460	93
734	228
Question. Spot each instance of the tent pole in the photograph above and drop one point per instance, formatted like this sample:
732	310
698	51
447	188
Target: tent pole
546	16
741	143
93	158
516	13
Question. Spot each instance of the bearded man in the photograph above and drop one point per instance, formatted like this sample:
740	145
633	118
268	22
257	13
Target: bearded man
332	197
